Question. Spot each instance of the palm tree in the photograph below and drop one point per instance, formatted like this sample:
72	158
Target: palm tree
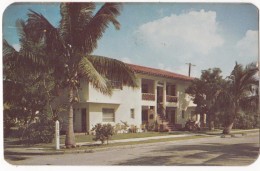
67	49
238	91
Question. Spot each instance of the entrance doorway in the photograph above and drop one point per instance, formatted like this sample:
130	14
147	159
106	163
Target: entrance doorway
144	116
171	114
84	120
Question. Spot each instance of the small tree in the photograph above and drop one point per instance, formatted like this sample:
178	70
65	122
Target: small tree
103	132
42	131
204	92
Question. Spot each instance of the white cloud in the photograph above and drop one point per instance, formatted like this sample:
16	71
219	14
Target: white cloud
126	60
248	46
166	68
16	47
194	31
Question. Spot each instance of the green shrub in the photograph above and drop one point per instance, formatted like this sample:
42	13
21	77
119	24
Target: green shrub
103	132
245	121
117	128
41	131
132	129
8	124
153	126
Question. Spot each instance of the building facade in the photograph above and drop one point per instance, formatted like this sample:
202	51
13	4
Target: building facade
160	97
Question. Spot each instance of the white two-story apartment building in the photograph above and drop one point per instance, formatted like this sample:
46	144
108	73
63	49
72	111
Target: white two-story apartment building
160	96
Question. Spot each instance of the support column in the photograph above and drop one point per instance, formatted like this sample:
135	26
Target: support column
155	95
164	95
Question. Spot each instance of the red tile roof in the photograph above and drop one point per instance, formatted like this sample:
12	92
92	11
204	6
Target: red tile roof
158	72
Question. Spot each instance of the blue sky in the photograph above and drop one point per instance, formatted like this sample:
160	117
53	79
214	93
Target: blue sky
168	35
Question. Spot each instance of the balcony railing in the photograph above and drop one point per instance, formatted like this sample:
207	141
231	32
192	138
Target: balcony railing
171	98
148	96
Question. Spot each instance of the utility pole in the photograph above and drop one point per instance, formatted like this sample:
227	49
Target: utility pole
190	65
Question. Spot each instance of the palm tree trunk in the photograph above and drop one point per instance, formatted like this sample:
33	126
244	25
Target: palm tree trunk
48	96
231	118
70	137
230	122
228	128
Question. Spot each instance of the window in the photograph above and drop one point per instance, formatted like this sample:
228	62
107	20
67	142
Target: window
108	115
144	88
132	113
171	90
144	115
183	114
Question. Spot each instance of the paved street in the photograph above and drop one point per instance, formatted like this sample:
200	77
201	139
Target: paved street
206	151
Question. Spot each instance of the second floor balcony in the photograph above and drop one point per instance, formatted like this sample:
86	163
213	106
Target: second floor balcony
171	99
161	92
148	96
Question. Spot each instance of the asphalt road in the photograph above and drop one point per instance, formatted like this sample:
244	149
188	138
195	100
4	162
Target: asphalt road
235	151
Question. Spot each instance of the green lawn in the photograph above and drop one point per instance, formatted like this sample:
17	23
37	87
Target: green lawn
89	148
89	138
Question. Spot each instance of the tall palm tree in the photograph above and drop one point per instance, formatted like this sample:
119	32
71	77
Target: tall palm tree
67	49
237	92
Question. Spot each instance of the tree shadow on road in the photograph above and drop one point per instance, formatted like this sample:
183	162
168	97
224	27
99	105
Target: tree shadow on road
206	154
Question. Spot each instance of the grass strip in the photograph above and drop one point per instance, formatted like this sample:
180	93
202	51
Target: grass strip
89	138
89	148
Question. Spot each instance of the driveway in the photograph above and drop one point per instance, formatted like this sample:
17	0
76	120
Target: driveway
235	151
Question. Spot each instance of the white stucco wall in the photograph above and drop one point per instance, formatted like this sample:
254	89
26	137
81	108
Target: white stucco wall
184	103
124	100
121	101
187	114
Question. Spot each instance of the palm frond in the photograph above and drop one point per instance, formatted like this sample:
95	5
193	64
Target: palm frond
243	78
10	57
88	71
8	50
250	103
75	17
113	69
20	26
31	52
38	27
94	30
